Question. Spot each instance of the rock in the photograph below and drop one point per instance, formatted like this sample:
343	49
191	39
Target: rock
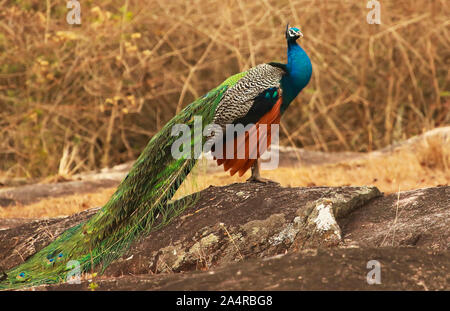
322	269
419	218
325	235
237	222
19	242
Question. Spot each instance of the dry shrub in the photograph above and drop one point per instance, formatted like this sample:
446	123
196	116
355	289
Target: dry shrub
79	97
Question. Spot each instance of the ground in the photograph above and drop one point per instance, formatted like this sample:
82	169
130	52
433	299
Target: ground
263	236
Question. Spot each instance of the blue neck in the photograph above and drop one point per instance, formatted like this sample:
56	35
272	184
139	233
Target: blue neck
299	73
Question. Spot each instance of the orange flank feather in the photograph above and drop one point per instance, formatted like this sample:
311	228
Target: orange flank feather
253	142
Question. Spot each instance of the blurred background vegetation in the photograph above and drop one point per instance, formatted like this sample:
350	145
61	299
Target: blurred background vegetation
79	97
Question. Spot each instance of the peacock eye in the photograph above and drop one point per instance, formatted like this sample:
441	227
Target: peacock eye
21	274
60	255
51	260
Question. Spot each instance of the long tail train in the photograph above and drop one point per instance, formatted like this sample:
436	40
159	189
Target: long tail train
139	205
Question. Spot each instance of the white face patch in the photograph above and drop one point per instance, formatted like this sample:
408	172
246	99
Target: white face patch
292	33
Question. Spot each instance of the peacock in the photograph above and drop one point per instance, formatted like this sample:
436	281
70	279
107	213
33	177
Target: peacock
142	201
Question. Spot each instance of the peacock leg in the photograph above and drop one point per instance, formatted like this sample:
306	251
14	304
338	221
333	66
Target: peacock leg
256	176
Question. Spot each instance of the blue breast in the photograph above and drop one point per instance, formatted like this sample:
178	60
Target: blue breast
299	73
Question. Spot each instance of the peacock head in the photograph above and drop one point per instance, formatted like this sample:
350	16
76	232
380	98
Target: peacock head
293	33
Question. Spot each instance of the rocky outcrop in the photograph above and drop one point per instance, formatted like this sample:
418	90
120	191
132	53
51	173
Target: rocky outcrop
313	269
272	237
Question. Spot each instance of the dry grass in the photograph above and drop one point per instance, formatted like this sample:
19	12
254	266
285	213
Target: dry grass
404	169
61	206
427	165
74	98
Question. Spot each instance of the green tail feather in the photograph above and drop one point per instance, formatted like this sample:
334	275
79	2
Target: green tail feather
139	205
